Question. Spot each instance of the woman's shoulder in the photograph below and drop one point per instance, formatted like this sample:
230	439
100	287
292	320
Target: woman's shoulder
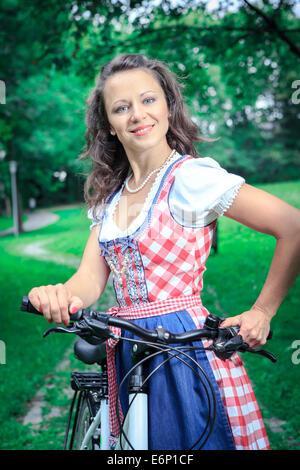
191	164
202	189
95	214
202	173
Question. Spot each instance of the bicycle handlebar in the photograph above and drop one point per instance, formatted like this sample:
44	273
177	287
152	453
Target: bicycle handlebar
93	326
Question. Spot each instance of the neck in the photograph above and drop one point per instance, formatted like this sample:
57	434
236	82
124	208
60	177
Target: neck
147	161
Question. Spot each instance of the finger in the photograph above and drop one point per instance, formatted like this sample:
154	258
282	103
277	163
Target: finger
34	298
45	303
252	337
75	304
54	305
62	298
247	333
258	341
253	343
231	321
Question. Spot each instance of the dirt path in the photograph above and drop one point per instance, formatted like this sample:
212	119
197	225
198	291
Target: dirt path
34	415
38	251
35	220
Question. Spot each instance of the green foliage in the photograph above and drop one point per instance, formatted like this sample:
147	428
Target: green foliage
55	104
238	67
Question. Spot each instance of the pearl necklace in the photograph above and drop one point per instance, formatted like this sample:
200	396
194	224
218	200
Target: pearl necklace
149	176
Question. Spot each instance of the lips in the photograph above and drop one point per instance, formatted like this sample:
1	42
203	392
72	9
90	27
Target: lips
141	130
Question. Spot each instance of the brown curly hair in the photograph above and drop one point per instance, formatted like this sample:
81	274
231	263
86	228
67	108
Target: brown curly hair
110	164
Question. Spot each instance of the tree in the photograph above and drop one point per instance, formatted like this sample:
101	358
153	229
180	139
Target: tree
237	65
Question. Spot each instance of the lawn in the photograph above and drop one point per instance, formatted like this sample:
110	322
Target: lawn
232	282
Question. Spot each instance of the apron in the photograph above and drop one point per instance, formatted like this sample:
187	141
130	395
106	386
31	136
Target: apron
161	286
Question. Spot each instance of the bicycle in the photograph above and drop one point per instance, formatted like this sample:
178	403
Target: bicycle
91	422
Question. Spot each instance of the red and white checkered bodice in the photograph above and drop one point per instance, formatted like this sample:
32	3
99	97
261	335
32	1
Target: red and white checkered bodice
164	259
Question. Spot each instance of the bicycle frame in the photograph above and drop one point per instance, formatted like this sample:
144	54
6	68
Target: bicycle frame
135	425
134	430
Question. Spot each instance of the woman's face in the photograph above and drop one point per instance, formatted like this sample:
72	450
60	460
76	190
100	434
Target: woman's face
137	109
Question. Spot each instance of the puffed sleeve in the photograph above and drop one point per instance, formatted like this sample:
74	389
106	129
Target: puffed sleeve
95	216
201	192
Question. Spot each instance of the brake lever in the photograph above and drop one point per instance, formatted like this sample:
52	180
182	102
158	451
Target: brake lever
229	341
61	329
81	328
261	352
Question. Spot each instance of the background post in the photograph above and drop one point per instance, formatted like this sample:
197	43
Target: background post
14	192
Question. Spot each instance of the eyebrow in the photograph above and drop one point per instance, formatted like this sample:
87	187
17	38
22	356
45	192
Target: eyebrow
123	100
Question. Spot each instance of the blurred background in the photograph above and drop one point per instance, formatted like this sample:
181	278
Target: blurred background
239	64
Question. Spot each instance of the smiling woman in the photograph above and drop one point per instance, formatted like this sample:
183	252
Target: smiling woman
154	206
127	86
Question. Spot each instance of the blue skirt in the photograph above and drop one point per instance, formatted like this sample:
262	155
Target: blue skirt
186	411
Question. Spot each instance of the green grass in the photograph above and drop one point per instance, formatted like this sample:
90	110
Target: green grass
232	282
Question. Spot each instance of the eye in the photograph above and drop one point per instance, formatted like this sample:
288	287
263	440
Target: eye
120	109
149	100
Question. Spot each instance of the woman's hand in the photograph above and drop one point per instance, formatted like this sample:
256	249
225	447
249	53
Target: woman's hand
55	302
254	326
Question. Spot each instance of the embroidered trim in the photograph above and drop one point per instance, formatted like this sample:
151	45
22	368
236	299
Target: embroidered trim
225	203
135	269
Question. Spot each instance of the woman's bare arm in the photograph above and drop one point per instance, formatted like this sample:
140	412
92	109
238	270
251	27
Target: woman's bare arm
90	279
266	213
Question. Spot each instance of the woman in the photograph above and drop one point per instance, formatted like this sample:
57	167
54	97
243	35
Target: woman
154	207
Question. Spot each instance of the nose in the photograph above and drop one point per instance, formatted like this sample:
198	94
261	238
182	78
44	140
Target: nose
137	112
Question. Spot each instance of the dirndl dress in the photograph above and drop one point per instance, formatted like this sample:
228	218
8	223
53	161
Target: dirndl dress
161	287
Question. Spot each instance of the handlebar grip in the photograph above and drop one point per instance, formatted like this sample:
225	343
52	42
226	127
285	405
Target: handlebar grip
26	306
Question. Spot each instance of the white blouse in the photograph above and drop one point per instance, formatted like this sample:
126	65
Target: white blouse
201	192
